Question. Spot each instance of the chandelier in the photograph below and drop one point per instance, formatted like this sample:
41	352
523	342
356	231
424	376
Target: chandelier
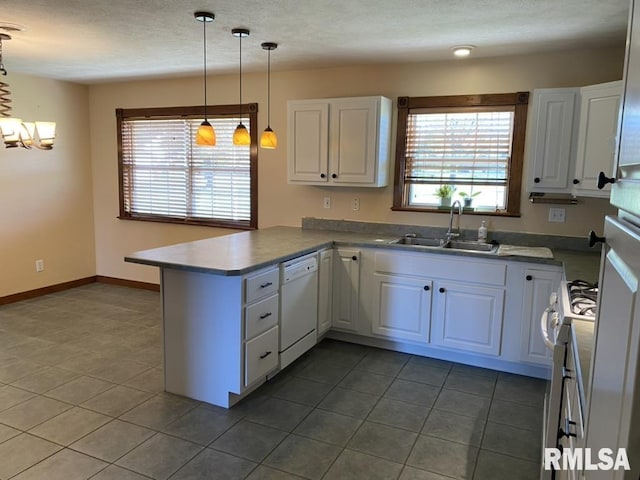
15	132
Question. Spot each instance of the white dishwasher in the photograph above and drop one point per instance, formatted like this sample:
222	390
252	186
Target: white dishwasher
298	307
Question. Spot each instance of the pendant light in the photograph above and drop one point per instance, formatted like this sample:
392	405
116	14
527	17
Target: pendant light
205	135
241	134
268	138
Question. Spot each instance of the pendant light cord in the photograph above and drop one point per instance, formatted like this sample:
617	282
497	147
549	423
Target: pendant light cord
268	88
204	34
240	63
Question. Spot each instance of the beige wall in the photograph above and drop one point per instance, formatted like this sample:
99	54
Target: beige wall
283	204
46	209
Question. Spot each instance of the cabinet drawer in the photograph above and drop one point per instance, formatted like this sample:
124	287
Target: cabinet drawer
261	316
261	285
260	356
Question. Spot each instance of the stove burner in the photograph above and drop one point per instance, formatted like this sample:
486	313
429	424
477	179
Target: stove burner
583	297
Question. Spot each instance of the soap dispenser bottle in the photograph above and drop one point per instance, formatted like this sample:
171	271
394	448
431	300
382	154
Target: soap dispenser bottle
482	232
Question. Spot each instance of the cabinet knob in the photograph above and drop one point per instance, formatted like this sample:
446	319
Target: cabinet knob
593	238
333	175
427	288
576	181
603	180
441	290
322	175
529	278
536	180
354	258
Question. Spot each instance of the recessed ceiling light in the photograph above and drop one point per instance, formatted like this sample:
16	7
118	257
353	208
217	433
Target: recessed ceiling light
462	50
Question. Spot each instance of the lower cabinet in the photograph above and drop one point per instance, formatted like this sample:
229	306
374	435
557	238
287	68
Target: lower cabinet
346	289
403	307
261	356
538	286
467	317
325	297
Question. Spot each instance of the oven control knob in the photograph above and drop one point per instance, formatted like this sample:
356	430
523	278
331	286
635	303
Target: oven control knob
593	238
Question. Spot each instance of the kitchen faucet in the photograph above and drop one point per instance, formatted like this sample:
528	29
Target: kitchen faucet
450	233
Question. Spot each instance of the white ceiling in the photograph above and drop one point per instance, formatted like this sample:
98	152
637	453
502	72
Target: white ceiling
91	41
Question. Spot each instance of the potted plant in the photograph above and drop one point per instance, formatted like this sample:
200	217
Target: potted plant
445	192
467	198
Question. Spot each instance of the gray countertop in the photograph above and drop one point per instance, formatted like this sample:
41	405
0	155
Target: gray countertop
240	253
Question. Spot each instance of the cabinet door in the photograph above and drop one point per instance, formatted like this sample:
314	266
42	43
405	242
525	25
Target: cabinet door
614	401
598	128
325	276
550	141
468	317
308	140
353	140
538	287
403	307
346	288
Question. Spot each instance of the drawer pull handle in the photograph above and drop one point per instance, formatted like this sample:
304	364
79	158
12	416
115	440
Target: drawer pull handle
265	355
567	429
265	315
267	284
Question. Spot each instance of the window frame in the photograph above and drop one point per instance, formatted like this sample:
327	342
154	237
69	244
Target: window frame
520	102
249	110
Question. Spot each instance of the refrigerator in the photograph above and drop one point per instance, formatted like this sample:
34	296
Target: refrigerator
612	416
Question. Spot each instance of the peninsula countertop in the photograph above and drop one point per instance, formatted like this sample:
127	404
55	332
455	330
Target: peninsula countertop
244	252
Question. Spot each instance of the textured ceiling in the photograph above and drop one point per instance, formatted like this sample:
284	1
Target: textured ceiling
91	41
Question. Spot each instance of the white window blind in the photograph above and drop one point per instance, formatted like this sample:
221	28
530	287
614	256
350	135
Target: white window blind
459	147
165	174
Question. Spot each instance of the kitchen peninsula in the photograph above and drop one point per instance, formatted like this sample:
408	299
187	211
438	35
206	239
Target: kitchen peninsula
220	302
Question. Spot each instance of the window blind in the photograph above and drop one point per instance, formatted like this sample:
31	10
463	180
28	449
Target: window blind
459	147
165	174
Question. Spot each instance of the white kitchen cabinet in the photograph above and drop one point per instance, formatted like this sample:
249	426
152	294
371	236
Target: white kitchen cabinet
613	403
467	317
339	141
551	138
325	295
403	309
538	285
598	129
346	289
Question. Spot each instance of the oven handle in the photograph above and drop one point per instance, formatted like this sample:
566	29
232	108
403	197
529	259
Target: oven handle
544	326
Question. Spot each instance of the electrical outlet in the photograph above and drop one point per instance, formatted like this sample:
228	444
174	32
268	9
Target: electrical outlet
327	202
39	265
556	215
356	204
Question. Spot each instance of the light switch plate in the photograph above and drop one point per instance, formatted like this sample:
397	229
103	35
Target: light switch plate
326	202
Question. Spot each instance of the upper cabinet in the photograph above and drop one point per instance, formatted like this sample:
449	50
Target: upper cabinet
339	141
572	138
550	141
598	129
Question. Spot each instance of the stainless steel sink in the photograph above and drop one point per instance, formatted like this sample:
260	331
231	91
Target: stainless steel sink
436	243
471	246
421	241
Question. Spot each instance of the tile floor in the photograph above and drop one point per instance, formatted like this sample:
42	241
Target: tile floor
81	397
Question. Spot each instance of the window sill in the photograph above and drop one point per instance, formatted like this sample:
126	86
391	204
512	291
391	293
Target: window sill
447	210
182	221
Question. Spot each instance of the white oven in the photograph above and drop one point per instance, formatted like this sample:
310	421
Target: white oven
574	300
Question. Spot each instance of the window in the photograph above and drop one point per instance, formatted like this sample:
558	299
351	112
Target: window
166	177
472	145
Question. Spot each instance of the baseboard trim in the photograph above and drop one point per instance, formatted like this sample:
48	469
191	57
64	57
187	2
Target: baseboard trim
59	287
38	292
154	287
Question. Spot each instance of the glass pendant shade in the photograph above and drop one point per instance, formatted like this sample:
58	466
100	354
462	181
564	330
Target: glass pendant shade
206	135
241	135
269	139
46	134
10	128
